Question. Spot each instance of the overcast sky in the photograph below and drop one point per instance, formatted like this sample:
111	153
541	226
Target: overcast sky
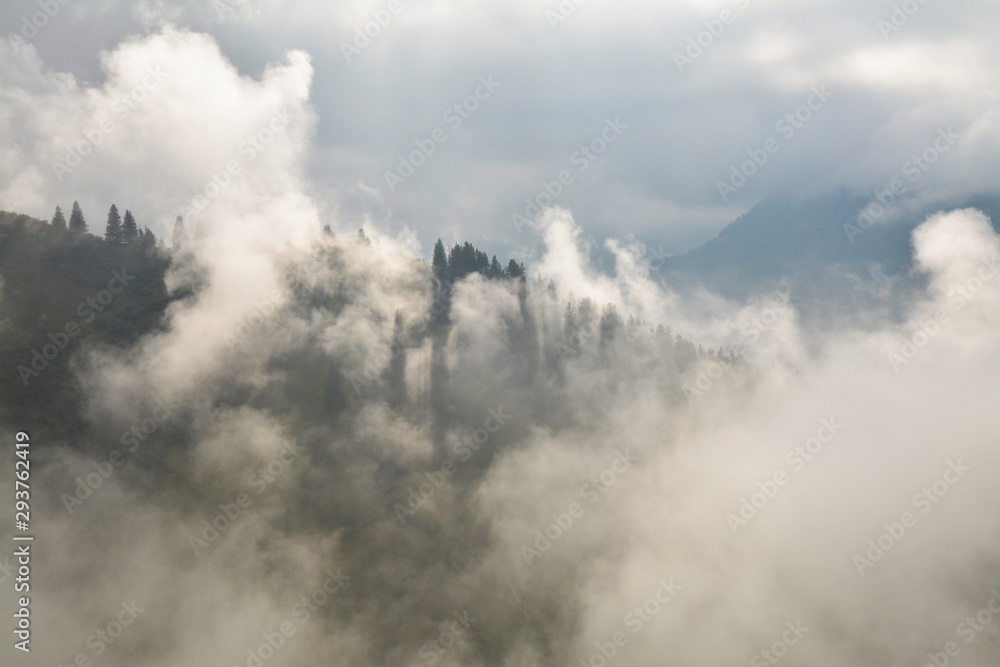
676	116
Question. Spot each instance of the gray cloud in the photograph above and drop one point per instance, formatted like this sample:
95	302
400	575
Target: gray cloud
686	128
695	455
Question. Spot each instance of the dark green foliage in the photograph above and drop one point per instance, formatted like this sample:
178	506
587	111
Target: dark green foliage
49	274
113	232
515	270
495	270
464	259
439	263
147	239
130	231
58	220
77	224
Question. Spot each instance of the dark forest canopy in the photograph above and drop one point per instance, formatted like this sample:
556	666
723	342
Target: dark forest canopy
50	270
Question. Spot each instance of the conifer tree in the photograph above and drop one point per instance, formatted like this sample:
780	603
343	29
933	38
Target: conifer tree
439	262
515	270
76	221
179	241
113	232
130	231
58	220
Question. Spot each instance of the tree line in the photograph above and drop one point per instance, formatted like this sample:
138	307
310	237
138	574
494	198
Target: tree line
464	259
118	231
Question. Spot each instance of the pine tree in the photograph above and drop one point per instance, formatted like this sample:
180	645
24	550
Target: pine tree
58	220
585	312
77	223
397	364
609	325
569	321
495	271
439	262
515	270
113	232
148	238
130	231
362	239
179	241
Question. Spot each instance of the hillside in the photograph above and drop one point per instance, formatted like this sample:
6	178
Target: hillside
803	243
63	292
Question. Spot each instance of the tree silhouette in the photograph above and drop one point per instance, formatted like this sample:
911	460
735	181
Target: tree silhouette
77	223
58	220
439	263
148	239
515	270
130	231
113	232
179	241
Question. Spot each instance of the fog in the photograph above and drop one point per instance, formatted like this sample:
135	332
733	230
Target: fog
476	483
